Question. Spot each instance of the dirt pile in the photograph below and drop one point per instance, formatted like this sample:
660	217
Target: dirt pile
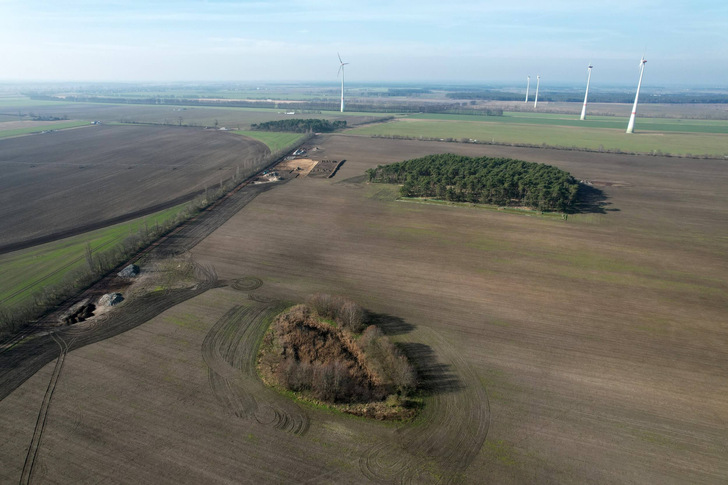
111	299
129	271
79	313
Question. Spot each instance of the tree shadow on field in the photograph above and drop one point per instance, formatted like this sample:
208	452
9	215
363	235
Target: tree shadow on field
591	200
389	324
433	377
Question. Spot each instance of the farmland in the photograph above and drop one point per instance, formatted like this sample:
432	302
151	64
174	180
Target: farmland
230	117
669	136
10	128
84	177
274	141
615	122
28	271
579	351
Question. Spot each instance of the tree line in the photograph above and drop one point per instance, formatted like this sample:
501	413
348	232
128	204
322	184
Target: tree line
298	125
482	180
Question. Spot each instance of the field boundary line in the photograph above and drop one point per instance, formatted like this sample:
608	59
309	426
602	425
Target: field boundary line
78	230
40	423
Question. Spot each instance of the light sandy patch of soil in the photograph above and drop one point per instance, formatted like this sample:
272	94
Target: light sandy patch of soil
302	166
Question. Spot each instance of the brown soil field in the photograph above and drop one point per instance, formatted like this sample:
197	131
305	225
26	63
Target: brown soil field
59	181
231	118
591	350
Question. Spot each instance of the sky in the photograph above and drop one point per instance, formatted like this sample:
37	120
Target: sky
455	41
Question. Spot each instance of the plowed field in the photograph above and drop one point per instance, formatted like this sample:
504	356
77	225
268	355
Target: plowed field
591	350
56	182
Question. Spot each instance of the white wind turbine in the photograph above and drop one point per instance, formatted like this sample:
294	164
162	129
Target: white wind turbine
535	101
528	85
630	126
588	78
341	71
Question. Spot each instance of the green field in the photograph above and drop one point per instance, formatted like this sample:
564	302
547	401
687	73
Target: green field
616	122
27	271
25	103
275	140
552	131
39	128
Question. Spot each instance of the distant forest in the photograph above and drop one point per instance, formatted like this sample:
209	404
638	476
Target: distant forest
298	125
483	180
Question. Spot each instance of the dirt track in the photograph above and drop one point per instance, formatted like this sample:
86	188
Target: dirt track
586	351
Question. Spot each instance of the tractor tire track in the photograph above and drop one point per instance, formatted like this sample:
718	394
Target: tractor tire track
247	283
34	448
449	434
21	361
230	352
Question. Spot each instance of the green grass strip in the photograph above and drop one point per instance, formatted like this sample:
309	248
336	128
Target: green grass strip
39	128
274	140
32	269
582	136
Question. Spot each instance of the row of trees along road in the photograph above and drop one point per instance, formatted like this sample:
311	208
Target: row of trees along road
483	180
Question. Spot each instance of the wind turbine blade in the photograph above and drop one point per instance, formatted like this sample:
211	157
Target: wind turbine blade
339	58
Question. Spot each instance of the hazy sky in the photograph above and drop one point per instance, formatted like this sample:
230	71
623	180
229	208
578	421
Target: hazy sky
685	42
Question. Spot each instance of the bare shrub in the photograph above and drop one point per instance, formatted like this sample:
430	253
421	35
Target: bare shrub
329	363
351	316
371	333
323	304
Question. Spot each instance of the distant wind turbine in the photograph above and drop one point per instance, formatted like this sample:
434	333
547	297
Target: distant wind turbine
341	71
538	81
588	78
630	126
528	85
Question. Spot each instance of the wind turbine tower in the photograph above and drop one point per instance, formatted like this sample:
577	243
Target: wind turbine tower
630	126
535	101
528	85
341	71
586	95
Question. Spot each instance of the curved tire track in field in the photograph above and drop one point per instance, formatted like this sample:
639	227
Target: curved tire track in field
24	359
230	350
34	448
257	297
19	362
449	434
247	283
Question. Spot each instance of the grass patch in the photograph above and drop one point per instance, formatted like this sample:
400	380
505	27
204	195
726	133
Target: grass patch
501	452
550	132
39	128
27	103
30	270
509	210
615	122
274	140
